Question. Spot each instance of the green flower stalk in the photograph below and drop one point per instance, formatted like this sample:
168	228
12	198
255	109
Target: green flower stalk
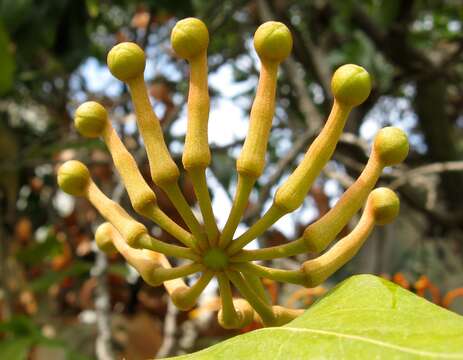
206	249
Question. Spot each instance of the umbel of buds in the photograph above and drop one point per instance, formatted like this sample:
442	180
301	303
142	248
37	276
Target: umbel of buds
207	249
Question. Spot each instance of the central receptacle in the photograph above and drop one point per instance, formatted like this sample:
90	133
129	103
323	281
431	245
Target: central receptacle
215	259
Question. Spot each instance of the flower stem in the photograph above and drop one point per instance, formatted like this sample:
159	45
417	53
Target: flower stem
198	177
229	315
289	276
166	223
256	284
319	269
150	243
175	195
186	297
322	232
272	215
163	274
280	251
243	190
263	309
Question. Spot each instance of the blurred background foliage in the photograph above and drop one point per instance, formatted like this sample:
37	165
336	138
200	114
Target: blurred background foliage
61	299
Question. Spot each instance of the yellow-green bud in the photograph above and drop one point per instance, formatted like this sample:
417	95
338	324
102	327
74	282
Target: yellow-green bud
391	145
126	61
90	119
273	41
189	38
73	177
181	299
384	205
104	238
351	84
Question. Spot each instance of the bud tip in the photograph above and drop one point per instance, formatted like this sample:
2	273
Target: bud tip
351	84
90	119
126	61
73	177
189	38
273	41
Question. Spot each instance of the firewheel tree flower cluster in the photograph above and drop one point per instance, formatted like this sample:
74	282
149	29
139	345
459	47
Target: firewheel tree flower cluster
206	249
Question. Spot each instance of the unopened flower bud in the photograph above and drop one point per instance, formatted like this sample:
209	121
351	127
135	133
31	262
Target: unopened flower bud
90	119
273	41
351	84
73	177
104	238
384	205
189	38
126	61
181	299
391	145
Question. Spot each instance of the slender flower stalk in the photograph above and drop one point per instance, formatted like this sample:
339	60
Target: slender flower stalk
185	297
261	307
190	39
273	43
228	316
210	252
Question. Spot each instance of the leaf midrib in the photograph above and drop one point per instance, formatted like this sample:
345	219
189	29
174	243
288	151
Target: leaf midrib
367	340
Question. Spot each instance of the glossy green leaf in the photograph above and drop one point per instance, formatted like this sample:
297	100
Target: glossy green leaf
364	317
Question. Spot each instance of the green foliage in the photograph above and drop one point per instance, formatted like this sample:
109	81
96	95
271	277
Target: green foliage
44	282
364	317
37	252
7	65
21	333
